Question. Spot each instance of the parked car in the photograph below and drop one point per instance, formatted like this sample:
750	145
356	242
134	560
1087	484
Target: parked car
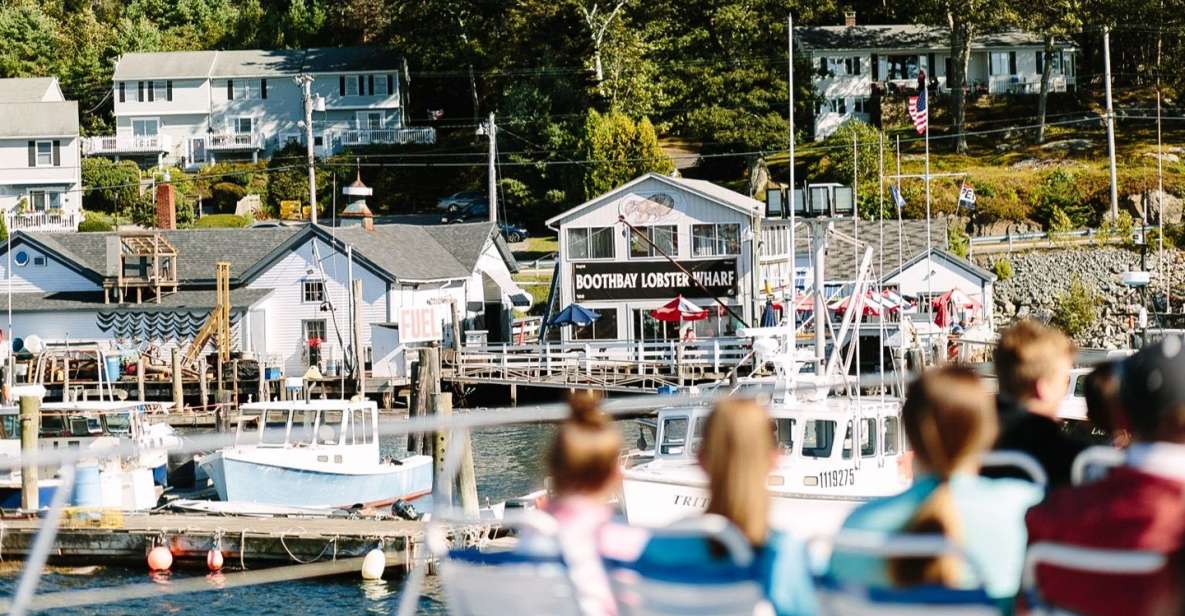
460	200
512	232
475	210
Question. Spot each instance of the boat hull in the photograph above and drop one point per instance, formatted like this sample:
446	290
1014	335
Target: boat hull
243	480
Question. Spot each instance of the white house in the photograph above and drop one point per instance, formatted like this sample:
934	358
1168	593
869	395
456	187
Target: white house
853	65
288	285
40	172
194	107
603	265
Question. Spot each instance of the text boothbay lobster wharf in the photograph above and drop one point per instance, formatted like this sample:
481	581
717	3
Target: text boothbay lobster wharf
653	279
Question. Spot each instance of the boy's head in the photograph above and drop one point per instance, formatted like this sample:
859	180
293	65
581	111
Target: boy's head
1033	365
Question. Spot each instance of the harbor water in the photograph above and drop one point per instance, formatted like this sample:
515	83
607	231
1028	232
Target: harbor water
509	462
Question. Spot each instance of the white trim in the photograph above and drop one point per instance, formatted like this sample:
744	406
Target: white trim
672	182
234	124
132	125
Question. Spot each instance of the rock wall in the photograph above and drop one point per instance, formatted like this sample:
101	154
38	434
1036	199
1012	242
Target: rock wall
1040	276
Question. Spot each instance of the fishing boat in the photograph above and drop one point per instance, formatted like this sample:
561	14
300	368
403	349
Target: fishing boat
313	453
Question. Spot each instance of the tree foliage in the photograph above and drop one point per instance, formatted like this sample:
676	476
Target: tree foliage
621	149
110	186
1075	310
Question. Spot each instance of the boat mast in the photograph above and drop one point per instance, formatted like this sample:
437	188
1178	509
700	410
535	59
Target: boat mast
819	229
792	341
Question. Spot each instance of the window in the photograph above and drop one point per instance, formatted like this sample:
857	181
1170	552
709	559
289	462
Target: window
303	427
380	85
718	323
860	105
868	438
246	89
665	237
902	67
330	428
371	120
715	240
604	328
275	427
674	436
590	243
43	200
122	91
999	63
892	435
649	328
314	291
784	434
314	328
818	438
44	154
145	127
351	86
159	91
244	125
11	424
21	257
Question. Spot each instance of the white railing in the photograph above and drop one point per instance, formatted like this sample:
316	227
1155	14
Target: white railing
236	141
126	144
651	355
54	221
386	136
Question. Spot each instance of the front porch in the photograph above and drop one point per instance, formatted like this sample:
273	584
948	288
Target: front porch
50	221
386	136
137	145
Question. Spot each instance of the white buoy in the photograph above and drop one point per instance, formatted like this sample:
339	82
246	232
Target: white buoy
373	565
160	559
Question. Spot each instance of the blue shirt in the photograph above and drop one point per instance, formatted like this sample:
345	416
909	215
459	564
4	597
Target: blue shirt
992	513
780	566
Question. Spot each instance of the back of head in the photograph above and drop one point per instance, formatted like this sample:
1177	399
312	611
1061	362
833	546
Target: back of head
950	420
584	455
1100	388
1152	391
737	452
1026	353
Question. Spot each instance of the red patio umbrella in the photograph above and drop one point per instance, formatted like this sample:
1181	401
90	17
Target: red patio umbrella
679	309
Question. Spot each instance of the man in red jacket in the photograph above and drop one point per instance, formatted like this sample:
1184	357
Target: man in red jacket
1137	506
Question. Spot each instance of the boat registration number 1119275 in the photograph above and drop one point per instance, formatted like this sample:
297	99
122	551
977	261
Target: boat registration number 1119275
837	479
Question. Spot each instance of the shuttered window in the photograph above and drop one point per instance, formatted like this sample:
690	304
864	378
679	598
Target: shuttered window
122	89
263	88
230	89
57	153
140	91
341	85
169	90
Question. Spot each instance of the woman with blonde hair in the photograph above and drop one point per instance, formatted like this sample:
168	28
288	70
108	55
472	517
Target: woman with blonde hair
950	420
738	452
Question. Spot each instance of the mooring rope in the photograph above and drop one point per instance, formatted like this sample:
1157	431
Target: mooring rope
332	541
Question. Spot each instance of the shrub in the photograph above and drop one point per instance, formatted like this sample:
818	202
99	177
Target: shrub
960	242
96	222
226	195
222	221
1075	310
1002	268
111	186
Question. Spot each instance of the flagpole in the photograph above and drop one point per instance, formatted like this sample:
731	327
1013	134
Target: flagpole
929	243
900	224
880	288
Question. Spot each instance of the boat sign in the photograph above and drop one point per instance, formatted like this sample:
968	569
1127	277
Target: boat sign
420	324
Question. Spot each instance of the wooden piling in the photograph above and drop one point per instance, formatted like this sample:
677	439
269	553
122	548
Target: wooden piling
424	383
359	352
262	383
204	382
66	377
442	487
234	380
178	392
30	426
467	477
140	379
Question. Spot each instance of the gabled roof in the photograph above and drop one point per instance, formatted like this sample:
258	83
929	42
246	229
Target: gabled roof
338	59
844	253
954	259
29	90
254	62
57	119
703	188
257	63
907	36
175	64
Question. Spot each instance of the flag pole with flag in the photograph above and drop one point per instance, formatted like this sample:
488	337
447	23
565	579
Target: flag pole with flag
919	110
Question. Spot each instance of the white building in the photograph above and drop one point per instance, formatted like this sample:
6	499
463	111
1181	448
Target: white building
40	172
288	285
606	267
854	65
194	107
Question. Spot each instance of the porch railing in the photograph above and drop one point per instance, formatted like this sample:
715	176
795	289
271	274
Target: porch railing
55	221
126	144
387	136
236	141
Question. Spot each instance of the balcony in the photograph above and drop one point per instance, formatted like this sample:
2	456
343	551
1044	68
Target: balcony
51	221
225	142
126	144
386	136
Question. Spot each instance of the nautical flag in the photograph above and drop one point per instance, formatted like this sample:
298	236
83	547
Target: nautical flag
898	200
967	196
918	109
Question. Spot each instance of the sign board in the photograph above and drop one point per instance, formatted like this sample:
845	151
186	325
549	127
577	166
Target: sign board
653	279
420	324
290	210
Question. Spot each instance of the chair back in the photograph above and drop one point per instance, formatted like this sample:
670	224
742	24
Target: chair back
1018	460
1081	559
843	598
730	587
1094	462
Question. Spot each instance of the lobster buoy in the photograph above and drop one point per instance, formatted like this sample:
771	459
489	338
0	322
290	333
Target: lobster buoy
373	565
160	559
214	560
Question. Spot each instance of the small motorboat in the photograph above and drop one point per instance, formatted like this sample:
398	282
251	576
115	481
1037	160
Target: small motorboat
313	453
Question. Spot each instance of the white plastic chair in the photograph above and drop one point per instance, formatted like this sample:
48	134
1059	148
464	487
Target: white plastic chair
1084	560
1094	462
1018	460
843	598
730	588
522	583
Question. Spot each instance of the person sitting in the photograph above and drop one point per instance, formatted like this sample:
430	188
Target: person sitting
1033	365
1137	506
950	422
738	452
1104	412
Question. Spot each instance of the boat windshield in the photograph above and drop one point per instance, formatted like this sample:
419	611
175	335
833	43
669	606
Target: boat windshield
12	425
275	425
892	435
248	430
818	438
118	423
784	434
302	427
330	430
674	436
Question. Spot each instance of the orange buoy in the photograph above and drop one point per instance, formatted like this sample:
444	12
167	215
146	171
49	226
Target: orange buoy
214	560
160	559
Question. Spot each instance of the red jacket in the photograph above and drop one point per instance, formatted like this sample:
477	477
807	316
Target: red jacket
1128	509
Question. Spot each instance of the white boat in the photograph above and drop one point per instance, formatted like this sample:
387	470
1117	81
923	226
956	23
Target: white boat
313	453
126	482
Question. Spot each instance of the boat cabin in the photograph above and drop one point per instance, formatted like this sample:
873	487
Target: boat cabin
311	424
64	423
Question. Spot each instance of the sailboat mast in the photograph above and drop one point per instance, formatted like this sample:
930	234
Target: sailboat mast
1168	305
792	311
929	241
900	224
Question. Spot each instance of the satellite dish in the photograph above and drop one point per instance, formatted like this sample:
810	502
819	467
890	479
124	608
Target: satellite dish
33	344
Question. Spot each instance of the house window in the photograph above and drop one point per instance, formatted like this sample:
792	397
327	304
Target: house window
590	243
604	328
122	91
43	200
999	63
38	261
1055	63
21	258
159	91
716	240
313	291
665	237
244	125
351	86
44	154
860	105
145	127
903	67
380	85
371	120
314	328
246	88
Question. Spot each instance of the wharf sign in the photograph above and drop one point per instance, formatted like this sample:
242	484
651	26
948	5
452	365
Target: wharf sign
654	279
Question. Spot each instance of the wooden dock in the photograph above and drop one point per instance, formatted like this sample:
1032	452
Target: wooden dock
244	541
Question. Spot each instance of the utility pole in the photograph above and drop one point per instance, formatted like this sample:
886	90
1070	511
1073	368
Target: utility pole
1110	122
306	82
492	133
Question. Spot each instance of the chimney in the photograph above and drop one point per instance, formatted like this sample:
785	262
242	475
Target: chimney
166	207
849	19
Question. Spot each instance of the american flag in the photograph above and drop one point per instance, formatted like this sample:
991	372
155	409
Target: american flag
918	110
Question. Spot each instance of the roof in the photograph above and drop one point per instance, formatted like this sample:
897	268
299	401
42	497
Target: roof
188	299
27	89
421	252
254	62
965	264
907	37
59	119
843	256
703	188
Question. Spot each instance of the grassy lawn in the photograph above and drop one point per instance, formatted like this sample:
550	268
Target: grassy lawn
537	284
536	248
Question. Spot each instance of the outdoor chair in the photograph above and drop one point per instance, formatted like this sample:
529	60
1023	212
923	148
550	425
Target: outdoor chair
1133	563
1018	460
